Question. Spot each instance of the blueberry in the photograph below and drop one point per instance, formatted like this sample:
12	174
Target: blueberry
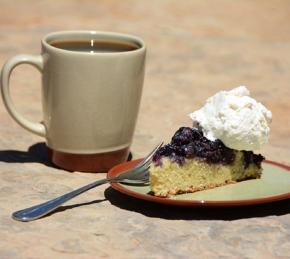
196	134
165	150
258	159
189	150
178	149
250	157
157	160
182	136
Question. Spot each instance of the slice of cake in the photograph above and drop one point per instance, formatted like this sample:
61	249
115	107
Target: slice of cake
191	162
218	150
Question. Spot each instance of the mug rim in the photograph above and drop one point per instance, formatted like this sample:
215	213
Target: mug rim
68	34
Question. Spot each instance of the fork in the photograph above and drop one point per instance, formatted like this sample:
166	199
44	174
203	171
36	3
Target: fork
136	175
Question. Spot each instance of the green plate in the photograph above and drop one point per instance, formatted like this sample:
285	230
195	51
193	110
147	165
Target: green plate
274	185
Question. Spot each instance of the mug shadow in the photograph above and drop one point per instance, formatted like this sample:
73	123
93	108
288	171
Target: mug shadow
37	153
156	210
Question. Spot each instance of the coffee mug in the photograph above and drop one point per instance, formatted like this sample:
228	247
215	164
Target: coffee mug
91	90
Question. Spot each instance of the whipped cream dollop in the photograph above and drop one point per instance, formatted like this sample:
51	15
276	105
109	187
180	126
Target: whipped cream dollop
235	118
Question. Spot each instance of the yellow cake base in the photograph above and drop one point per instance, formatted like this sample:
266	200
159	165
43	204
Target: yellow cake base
195	175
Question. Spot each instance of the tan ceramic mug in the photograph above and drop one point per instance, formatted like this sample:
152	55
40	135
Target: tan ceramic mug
91	90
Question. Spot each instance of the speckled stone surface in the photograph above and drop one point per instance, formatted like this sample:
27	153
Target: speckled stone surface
195	48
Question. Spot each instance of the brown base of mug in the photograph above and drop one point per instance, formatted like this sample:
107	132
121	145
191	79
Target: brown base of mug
92	163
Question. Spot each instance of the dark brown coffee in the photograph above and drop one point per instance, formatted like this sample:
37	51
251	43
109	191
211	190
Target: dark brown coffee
94	46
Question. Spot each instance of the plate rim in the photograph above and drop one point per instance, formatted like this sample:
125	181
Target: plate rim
194	203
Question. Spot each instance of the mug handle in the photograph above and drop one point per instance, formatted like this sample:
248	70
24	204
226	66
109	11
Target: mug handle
34	60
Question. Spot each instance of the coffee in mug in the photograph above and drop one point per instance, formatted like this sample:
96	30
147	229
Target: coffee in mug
91	90
94	46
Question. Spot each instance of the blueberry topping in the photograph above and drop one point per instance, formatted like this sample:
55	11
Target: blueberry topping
190	142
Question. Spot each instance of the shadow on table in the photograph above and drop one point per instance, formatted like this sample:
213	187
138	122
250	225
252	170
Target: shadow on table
37	153
69	207
156	210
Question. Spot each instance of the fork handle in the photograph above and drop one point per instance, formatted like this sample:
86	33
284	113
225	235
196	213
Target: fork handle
42	209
